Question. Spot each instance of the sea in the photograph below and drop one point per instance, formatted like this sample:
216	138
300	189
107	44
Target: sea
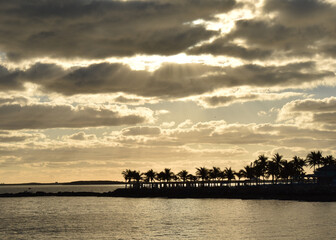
159	218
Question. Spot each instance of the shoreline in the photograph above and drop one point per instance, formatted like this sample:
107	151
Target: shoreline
318	193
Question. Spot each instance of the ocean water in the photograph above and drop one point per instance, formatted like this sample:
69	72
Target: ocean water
158	218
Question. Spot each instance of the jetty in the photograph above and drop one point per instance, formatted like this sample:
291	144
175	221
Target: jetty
218	184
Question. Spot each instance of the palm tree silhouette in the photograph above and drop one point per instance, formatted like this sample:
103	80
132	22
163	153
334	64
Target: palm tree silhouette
160	176
137	176
229	173
298	164
150	175
192	178
248	172
272	170
183	175
240	174
287	170
277	159
214	173
314	158
127	174
202	173
260	164
168	174
328	160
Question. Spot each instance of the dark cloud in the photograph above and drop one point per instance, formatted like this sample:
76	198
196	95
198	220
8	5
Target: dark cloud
41	116
309	23
169	81
217	101
99	29
296	28
273	36
301	12
293	74
225	100
9	79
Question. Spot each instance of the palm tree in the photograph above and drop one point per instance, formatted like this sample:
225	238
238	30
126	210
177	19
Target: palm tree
136	175
230	174
239	174
328	160
258	170
183	175
222	175
248	172
272	170
150	175
192	178
168	174
298	164
261	163
127	174
160	176
214	173
314	158
202	173
287	170
277	159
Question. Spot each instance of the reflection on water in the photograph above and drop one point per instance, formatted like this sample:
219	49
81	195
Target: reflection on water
127	218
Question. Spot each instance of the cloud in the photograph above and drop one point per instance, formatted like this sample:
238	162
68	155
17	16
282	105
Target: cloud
15	137
42	116
226	100
302	12
292	74
316	112
169	81
9	80
204	143
100	29
135	131
14	99
288	28
272	36
223	46
312	105
81	136
168	124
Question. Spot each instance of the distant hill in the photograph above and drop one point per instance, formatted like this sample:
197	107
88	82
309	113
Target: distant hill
92	182
96	182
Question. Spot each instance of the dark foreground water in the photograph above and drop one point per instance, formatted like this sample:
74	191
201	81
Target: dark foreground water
129	218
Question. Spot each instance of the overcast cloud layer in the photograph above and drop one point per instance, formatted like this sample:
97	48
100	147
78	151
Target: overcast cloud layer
170	80
99	29
90	88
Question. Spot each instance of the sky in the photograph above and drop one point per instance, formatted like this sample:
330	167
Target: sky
89	88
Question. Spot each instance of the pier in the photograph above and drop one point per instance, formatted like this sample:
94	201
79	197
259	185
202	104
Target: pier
216	184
